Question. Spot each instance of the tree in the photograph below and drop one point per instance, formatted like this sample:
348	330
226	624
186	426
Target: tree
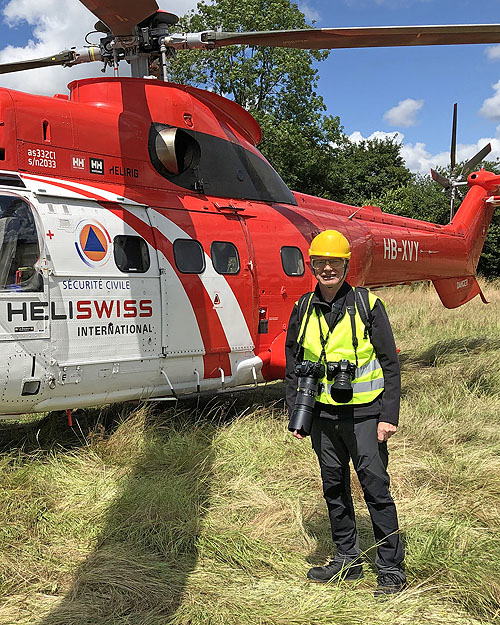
369	169
420	198
280	81
278	86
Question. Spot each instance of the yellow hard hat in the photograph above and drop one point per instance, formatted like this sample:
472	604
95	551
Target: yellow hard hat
330	243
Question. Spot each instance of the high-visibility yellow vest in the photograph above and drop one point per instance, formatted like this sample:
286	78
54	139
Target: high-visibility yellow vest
368	382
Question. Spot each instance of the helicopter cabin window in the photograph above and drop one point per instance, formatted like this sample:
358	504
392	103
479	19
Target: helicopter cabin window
131	254
189	256
19	247
225	257
211	165
292	261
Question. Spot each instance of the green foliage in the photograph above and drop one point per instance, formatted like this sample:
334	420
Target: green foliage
303	155
277	85
489	263
279	81
419	198
370	168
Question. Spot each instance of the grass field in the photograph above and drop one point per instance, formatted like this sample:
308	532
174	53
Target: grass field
212	514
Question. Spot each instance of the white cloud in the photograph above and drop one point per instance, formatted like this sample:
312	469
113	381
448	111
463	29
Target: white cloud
405	113
491	106
357	137
310	14
57	25
419	160
493	52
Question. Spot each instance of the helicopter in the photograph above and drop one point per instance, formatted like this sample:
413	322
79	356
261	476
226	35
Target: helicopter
149	251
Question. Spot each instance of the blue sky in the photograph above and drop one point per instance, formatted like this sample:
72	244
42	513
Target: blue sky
410	91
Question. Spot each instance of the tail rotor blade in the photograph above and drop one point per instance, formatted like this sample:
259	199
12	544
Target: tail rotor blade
440	179
475	160
453	151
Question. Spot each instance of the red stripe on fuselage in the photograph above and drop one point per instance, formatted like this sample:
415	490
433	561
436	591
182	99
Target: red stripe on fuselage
212	333
90	194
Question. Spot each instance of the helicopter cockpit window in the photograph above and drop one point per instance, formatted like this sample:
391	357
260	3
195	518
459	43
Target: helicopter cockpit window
292	261
131	254
225	257
19	247
214	166
189	256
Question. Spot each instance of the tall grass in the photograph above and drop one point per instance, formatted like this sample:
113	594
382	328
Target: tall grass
211	514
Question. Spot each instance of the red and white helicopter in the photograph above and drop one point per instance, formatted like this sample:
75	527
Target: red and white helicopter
148	250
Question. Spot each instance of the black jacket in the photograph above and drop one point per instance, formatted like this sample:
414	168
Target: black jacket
386	406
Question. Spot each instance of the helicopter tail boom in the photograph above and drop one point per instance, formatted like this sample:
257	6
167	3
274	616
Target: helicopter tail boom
470	222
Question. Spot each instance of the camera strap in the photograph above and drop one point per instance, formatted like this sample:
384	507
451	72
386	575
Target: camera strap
322	339
351	309
336	313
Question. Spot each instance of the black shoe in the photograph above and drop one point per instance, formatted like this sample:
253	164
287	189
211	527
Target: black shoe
389	584
335	569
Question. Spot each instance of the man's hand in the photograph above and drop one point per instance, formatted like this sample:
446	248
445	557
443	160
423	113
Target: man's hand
297	435
385	431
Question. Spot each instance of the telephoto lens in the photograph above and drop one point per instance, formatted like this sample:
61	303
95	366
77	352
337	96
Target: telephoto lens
308	374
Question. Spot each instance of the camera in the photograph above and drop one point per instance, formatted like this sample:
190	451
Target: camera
342	373
308	374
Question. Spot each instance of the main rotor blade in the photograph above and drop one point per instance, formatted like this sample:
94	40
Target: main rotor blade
121	16
363	37
453	151
475	160
67	56
440	179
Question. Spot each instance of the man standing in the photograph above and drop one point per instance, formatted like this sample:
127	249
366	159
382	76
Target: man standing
356	407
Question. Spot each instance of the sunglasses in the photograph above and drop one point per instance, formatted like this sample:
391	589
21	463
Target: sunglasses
321	263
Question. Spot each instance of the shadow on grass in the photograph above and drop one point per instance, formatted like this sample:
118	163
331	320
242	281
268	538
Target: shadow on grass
139	570
51	432
450	349
147	548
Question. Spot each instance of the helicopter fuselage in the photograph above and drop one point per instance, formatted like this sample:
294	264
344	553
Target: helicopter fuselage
147	249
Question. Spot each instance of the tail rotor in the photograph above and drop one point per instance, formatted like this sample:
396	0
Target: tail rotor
453	182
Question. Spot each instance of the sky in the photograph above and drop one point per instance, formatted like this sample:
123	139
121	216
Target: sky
403	92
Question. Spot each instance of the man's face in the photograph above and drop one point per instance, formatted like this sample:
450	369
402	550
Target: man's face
328	271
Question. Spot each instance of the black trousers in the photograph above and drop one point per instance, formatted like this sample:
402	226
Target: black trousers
335	442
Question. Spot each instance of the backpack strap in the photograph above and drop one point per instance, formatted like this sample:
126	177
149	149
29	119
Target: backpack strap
304	307
363	306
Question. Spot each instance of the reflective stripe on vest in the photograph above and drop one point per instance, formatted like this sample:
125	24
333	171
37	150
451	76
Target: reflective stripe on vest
369	378
373	365
363	387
